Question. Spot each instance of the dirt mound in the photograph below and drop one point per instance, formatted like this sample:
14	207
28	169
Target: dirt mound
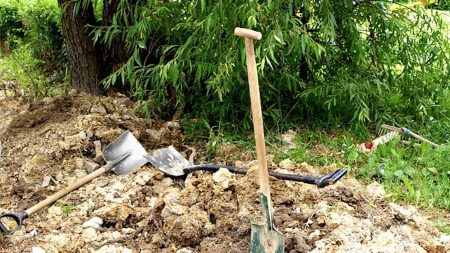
47	145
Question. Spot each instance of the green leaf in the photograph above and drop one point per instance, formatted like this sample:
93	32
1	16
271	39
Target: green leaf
173	72
203	4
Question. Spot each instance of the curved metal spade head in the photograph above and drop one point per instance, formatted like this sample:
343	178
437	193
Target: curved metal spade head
169	161
125	143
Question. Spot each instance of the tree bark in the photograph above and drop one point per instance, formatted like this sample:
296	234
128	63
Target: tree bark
84	60
116	54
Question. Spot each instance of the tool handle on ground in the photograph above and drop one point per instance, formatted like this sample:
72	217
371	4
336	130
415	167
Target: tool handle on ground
320	181
17	218
418	137
247	33
61	193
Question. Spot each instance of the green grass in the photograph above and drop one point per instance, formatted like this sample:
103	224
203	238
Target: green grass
66	208
20	66
416	175
443	226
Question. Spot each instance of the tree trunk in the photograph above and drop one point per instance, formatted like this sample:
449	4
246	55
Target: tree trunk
116	54
84	60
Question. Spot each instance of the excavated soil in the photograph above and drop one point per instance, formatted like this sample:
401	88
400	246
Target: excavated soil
45	146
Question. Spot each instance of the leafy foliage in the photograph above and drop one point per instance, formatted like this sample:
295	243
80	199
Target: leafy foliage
21	66
417	175
340	61
32	30
42	21
442	5
11	27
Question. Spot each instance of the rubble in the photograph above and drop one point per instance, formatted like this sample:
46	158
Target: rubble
43	150
223	177
94	222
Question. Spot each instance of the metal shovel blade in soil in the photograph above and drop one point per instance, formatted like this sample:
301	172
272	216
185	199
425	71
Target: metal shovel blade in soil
126	142
122	156
169	161
264	237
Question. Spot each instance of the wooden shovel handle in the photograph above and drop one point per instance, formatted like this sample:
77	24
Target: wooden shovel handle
61	193
247	33
255	99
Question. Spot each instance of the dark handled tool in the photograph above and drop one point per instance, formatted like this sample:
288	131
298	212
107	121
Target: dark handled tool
172	163
122	156
320	181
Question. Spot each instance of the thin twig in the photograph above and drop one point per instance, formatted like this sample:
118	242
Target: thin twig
28	74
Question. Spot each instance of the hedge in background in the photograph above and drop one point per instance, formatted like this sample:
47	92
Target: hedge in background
333	61
11	27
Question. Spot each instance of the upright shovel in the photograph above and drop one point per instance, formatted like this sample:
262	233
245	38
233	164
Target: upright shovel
264	238
122	156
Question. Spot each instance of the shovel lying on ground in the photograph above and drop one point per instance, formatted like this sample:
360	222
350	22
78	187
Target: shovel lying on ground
122	156
172	163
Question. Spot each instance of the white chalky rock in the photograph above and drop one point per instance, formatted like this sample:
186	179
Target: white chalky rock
95	222
112	249
375	189
184	250
54	211
223	177
89	235
118	186
99	108
289	138
37	250
402	213
143	177
287	164
82	135
172	207
57	240
116	234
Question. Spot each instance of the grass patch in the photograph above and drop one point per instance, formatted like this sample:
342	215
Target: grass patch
416	175
23	68
443	226
66	208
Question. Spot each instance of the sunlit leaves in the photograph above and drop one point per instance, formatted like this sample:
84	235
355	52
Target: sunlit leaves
362	62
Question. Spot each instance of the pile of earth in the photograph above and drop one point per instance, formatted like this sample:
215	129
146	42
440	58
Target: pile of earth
44	146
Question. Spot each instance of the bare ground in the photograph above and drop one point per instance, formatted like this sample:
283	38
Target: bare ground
45	146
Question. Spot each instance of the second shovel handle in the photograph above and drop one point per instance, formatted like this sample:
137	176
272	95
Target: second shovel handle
61	193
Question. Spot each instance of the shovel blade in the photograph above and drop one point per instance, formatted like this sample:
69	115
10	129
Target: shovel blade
125	143
169	161
265	238
266	241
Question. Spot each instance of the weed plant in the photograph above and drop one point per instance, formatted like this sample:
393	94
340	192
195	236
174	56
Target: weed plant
33	52
417	175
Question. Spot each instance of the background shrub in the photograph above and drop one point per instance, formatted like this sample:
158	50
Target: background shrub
43	32
11	27
31	33
355	62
